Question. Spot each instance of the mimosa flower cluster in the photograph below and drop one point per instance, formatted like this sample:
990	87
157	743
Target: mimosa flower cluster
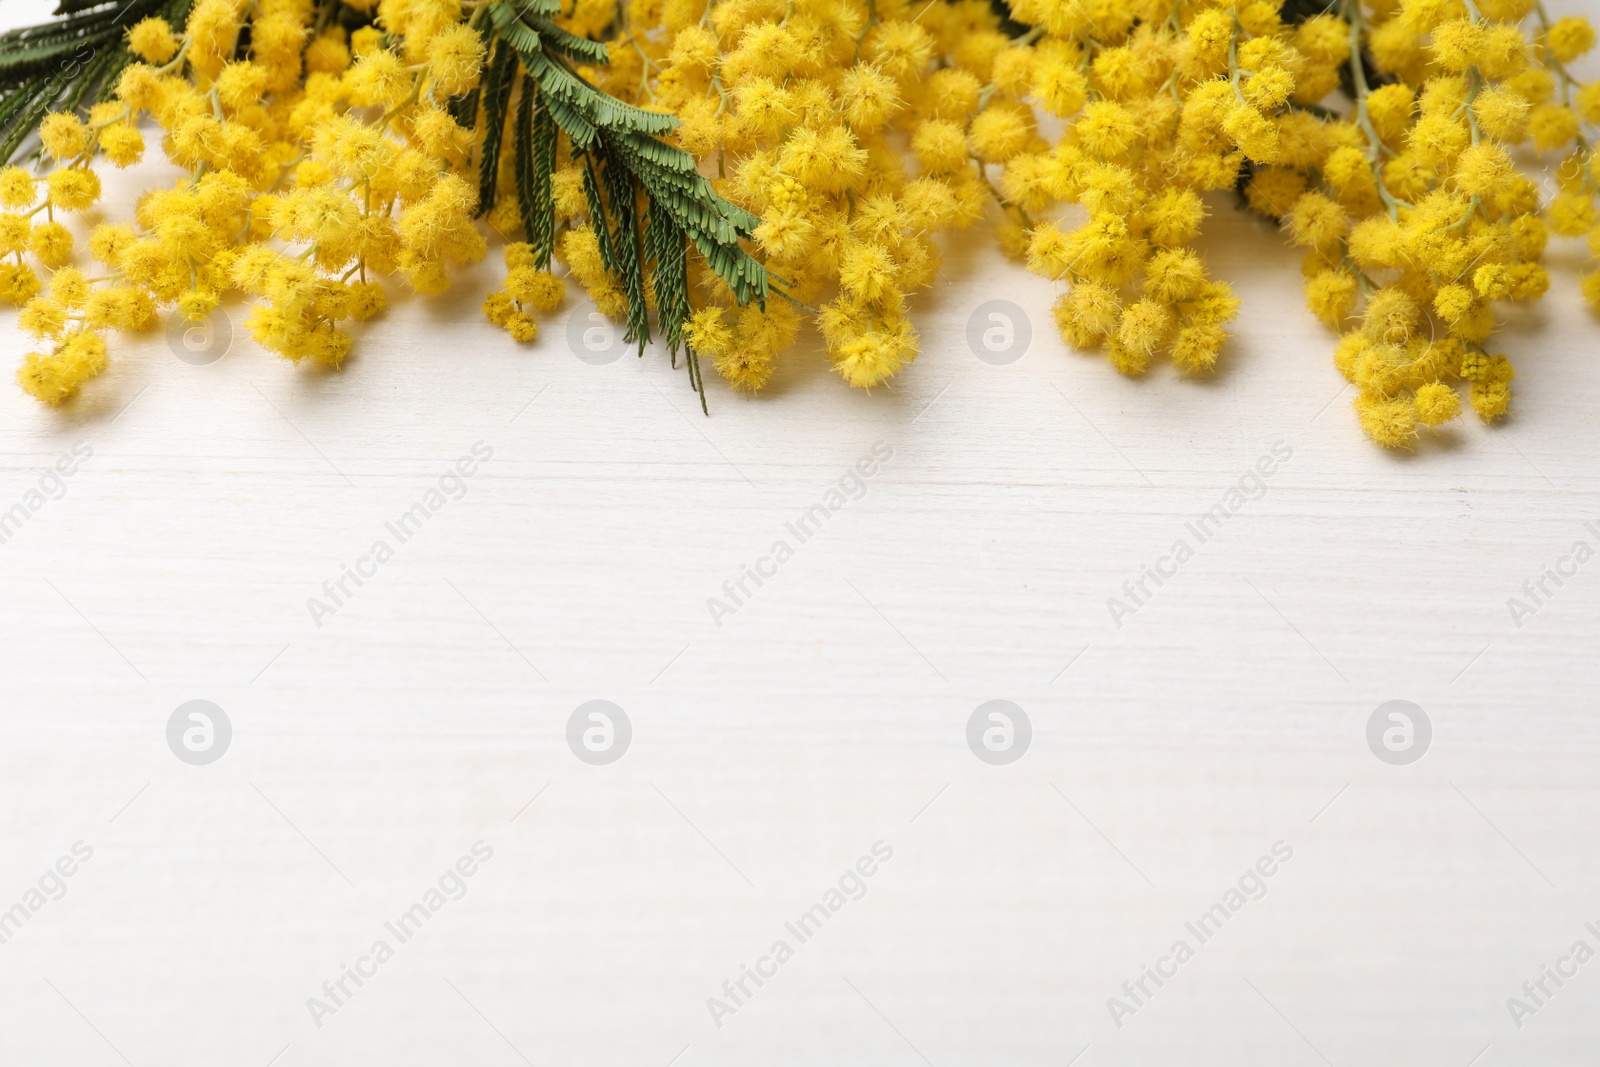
741	171
1416	219
319	163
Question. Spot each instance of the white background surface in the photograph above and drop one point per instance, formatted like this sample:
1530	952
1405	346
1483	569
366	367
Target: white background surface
829	713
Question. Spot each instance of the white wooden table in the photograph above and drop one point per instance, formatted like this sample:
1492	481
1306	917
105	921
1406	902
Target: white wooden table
1225	716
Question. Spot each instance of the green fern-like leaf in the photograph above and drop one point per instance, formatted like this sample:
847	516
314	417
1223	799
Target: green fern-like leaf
497	83
510	27
539	219
666	249
620	191
528	30
522	151
597	212
625	162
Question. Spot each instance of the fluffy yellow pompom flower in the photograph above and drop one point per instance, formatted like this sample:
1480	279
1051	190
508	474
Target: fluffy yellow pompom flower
1174	275
1453	302
1493	281
1390	422
1142	331
377	79
45	316
1331	296
455	59
1482	169
123	145
538	289
952	93
152	40
196	305
1118	74
1552	126
498	307
1269	88
866	270
1000	133
1590	287
1438	139
870	97
1436	403
213	33
707	332
1087	314
1572	214
1390	108
1570	37
1209	38
1502	114
1491	399
522	327
900	48
874	356
56	377
1392	317
828	160
1060	87
745	367
1174	217
329	53
16	188
940	146
1460	44
240	85
119	307
1317	222
18	283
1253	132
1106	129
14	233
64	136
693	48
73	188
52	243
366	40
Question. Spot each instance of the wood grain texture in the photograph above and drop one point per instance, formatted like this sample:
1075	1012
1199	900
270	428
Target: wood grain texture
771	752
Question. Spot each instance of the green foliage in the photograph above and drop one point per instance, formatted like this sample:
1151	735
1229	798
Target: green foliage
497	83
646	198
540	215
